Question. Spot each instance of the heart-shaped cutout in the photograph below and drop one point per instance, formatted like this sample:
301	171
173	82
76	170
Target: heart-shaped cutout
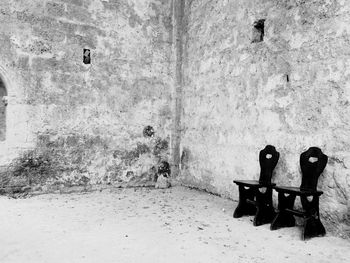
310	198
313	159
262	190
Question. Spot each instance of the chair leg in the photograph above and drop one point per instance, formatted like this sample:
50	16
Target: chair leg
265	212
283	218
313	226
244	208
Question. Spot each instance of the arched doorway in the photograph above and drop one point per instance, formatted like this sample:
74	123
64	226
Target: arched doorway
3	104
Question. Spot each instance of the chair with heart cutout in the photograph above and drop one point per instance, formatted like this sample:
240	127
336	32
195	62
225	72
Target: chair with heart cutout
312	164
255	196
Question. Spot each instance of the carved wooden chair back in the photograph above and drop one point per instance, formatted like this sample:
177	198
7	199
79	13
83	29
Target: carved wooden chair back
312	163
268	158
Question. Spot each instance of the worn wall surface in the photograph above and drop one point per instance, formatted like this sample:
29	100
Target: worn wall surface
68	123
73	123
292	90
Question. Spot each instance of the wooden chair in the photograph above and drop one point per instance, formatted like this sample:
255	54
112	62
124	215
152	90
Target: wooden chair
312	163
255	196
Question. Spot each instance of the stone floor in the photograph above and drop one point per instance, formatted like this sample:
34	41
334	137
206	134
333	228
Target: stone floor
147	225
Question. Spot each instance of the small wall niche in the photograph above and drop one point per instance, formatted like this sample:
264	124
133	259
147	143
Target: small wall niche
258	31
86	56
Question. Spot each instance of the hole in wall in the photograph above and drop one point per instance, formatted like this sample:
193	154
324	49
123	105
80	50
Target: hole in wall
287	77
86	56
258	31
148	131
3	104
129	174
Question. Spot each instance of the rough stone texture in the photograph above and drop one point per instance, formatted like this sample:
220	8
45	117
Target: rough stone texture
81	123
291	90
190	70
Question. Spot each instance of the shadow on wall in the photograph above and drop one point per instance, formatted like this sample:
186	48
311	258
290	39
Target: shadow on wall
3	104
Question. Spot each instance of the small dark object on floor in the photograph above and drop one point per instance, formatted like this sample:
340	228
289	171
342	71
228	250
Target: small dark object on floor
257	198
312	163
164	169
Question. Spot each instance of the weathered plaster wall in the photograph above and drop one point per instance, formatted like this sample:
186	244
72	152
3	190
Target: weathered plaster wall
84	123
237	97
68	123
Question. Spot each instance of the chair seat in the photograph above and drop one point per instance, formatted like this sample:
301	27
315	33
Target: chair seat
252	183
296	190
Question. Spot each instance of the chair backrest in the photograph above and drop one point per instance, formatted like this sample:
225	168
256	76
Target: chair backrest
312	164
268	158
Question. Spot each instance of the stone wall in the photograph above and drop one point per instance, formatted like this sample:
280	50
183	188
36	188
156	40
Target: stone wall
70	123
291	90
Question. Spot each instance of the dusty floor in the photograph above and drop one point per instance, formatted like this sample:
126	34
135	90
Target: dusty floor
146	225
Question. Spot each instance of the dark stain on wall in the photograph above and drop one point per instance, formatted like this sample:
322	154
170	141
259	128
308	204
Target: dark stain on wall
148	131
66	161
161	145
131	156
